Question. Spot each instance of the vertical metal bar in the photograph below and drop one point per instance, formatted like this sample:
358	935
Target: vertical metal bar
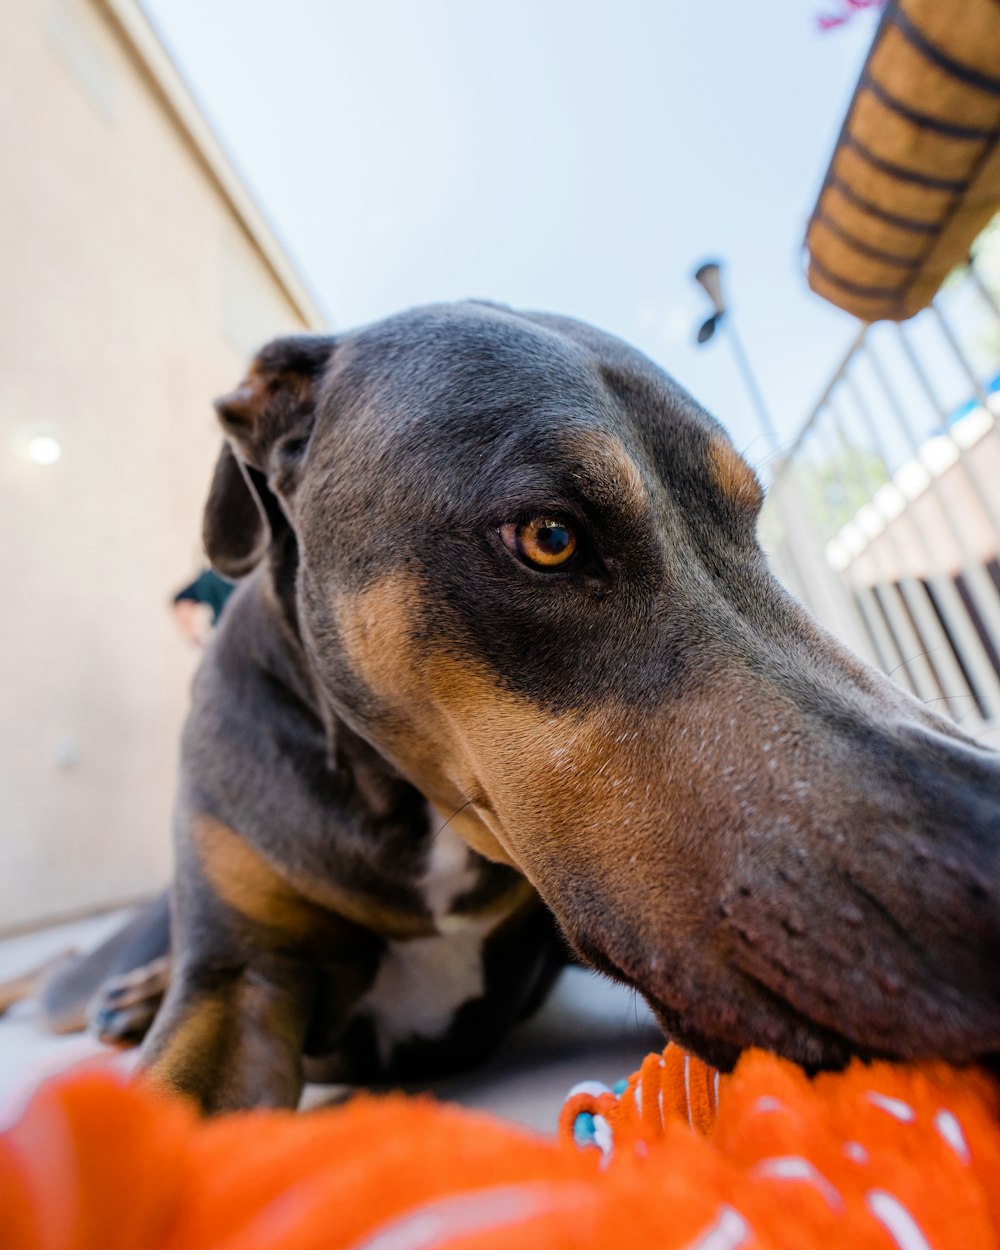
832	595
823	589
922	675
750	382
866	615
971	650
887	626
820	404
952	679
978	489
954	684
960	356
890	658
988	297
790	553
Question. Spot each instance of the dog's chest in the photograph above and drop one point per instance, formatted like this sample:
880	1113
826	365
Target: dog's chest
422	983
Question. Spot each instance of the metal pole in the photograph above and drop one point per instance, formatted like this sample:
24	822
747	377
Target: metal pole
983	289
750	382
967	644
980	490
920	607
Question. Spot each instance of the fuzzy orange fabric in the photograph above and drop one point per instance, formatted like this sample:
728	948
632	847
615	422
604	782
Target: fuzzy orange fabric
879	1157
901	1147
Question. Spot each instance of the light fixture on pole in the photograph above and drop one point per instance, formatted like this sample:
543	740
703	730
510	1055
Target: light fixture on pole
709	277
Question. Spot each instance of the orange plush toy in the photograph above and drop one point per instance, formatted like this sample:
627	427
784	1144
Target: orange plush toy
883	1157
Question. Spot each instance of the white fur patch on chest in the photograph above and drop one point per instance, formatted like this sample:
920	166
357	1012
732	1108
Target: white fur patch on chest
422	983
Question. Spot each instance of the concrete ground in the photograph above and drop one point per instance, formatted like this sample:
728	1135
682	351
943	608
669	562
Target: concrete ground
588	1030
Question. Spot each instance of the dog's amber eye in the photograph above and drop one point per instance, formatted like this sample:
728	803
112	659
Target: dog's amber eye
544	542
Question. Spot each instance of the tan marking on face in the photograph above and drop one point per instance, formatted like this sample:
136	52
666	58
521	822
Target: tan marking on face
641	808
612	476
732	475
502	764
299	910
376	631
635	826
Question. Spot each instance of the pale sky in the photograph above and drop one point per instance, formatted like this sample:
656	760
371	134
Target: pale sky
567	155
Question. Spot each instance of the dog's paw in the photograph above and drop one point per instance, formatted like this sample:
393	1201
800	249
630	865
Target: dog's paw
126	1005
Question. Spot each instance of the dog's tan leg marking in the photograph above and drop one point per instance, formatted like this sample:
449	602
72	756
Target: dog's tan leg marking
233	1038
195	1033
303	911
244	880
232	1028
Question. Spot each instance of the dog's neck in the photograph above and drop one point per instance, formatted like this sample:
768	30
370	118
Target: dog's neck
374	780
388	836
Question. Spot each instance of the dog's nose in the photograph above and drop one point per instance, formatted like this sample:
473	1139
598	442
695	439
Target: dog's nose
942	852
949	774
881	919
939	800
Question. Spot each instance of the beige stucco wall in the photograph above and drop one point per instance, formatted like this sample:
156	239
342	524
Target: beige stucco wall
130	296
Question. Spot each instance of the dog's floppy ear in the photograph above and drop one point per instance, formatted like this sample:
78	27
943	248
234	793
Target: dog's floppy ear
267	420
234	529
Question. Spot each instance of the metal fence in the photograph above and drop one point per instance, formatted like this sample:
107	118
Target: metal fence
884	515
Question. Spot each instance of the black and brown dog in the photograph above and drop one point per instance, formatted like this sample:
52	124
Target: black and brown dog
507	649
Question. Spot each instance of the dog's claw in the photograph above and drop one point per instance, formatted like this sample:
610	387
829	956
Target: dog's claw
125	1006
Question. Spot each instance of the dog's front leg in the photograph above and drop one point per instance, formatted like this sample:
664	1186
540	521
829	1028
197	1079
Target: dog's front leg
246	949
231	1036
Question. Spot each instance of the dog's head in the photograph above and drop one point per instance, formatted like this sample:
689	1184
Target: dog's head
527	571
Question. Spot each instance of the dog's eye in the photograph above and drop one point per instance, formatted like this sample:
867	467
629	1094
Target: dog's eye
544	542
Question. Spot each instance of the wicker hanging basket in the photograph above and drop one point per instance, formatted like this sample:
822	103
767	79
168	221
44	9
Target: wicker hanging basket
916	171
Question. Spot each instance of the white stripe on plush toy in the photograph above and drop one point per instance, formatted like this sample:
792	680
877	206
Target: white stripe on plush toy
895	1106
729	1232
480	1211
951	1131
795	1168
896	1220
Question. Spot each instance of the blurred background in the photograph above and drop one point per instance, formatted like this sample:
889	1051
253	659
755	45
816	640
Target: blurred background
185	179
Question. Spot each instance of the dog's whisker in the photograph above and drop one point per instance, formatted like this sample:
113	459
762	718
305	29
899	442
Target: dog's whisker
769	456
919	655
457	812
